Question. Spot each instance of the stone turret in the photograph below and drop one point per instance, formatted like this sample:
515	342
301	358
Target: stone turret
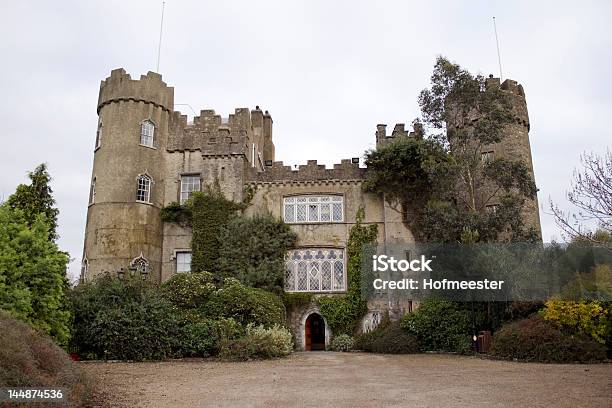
515	143
123	228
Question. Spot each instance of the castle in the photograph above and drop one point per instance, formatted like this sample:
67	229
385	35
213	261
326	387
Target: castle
147	155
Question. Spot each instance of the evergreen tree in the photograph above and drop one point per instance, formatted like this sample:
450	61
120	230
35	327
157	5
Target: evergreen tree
32	273
36	198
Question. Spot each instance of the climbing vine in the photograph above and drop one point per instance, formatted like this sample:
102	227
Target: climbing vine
211	212
343	313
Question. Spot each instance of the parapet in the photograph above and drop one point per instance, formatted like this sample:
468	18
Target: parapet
213	134
311	172
515	95
149	88
509	85
399	132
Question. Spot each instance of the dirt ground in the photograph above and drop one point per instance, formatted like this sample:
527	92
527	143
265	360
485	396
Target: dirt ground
326	379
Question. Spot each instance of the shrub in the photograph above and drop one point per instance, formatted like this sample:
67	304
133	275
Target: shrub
439	325
189	290
245	305
588	318
395	340
253	251
258	343
126	320
343	342
30	359
536	339
203	339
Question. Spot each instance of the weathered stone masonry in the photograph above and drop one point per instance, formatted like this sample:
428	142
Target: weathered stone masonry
237	152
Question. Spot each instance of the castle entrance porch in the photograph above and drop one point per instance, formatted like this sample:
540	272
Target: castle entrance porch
314	332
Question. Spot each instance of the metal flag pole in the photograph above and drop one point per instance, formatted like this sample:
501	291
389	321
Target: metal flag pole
498	53
161	29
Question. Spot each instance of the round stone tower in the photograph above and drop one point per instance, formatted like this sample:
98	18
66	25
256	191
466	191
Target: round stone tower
124	227
514	145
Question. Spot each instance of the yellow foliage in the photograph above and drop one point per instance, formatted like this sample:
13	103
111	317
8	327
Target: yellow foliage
589	318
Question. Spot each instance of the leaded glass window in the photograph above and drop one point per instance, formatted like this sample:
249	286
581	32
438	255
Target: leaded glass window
140	265
315	270
312	208
143	192
189	184
147	133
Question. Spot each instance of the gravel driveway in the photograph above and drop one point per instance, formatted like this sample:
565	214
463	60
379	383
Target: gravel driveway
327	379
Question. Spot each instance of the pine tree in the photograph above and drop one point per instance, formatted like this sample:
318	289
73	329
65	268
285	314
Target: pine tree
37	198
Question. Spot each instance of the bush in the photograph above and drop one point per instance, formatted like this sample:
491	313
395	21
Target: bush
439	325
343	342
204	338
125	320
588	318
253	251
536	339
258	343
189	290
30	359
393	339
245	305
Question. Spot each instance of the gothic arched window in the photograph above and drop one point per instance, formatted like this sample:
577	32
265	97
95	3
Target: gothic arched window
147	133
143	192
140	265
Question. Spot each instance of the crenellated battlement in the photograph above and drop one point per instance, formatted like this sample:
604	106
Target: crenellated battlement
312	171
150	88
399	132
214	135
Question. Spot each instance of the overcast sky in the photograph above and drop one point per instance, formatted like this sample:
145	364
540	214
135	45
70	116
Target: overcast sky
328	72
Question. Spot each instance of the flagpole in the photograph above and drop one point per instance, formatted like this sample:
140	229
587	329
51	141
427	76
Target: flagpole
161	28
498	53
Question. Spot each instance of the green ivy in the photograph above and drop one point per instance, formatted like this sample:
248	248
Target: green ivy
176	212
343	313
211	212
296	300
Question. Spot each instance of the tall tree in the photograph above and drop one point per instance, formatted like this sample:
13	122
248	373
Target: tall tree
591	193
442	181
32	273
37	198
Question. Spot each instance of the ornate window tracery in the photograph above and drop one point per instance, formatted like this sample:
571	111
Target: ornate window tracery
313	208
140	265
315	270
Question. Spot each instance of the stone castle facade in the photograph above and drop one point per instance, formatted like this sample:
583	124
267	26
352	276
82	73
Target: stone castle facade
147	155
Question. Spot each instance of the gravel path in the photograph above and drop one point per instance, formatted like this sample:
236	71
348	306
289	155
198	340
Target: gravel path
326	379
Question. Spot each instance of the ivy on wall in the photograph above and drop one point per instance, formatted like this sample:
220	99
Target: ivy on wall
211	212
343	313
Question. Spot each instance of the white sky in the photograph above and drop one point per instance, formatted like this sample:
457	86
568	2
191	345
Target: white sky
328	72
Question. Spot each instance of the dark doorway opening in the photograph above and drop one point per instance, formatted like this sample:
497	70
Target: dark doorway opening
315	332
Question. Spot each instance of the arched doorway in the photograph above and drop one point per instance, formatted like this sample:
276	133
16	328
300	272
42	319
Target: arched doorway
315	332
